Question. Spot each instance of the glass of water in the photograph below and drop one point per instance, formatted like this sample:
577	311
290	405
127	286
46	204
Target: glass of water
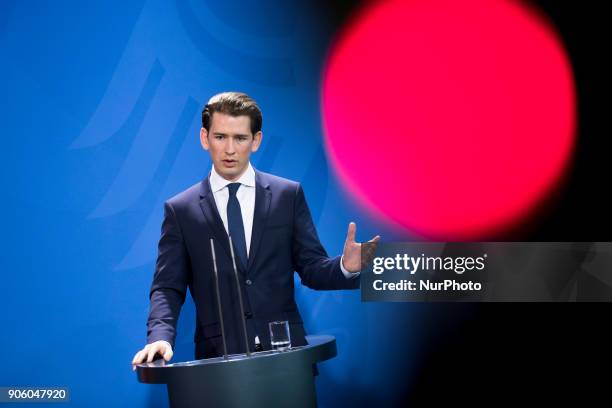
279	335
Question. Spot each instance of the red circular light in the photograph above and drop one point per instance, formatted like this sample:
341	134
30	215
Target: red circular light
451	118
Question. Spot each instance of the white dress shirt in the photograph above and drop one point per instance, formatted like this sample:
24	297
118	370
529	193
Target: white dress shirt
245	195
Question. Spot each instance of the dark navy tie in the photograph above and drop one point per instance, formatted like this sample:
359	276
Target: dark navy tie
235	226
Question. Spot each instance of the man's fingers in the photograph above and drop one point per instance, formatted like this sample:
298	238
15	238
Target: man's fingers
371	245
352	230
368	251
152	351
148	353
137	358
168	354
367	257
140	356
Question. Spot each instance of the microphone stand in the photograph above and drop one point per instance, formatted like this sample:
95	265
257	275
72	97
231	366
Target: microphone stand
244	329
212	247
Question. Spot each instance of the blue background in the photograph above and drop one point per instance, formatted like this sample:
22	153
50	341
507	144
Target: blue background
100	116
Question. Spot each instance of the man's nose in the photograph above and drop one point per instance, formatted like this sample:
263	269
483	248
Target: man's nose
230	146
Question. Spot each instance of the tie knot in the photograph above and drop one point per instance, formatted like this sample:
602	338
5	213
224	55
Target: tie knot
233	187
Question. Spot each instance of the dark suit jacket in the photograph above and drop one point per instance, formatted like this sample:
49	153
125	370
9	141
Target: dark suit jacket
284	240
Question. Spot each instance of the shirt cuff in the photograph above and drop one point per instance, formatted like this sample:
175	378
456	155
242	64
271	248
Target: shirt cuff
347	274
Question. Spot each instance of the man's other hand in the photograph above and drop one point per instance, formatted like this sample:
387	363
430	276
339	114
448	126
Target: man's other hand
147	354
352	256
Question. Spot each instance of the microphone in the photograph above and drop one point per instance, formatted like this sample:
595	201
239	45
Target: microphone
246	341
212	247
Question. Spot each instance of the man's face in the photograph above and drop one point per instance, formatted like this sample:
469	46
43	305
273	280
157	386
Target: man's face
230	144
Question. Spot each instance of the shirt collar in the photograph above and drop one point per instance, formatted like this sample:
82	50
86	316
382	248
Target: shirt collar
217	182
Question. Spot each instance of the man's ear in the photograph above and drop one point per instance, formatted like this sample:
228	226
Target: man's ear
204	139
256	141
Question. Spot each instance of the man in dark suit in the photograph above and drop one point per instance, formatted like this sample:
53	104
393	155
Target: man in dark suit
272	233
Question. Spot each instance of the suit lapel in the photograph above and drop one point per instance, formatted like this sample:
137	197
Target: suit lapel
212	217
260	216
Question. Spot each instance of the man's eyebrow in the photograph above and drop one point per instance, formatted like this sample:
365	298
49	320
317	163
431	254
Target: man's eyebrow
235	135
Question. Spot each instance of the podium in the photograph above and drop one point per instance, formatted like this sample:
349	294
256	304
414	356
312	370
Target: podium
266	379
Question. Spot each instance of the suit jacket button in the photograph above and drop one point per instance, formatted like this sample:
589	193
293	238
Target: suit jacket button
248	315
248	282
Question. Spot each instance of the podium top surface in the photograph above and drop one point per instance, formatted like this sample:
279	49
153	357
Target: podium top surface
319	348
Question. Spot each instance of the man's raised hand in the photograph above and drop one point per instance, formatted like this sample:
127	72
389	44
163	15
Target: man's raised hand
352	253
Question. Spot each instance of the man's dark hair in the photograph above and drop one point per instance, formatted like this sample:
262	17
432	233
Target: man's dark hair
233	104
